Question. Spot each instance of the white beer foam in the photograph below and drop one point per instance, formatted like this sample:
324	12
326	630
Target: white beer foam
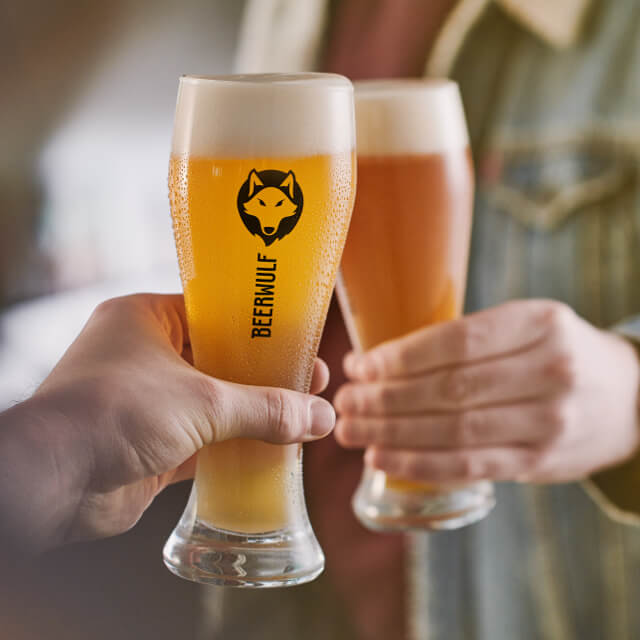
396	117
298	114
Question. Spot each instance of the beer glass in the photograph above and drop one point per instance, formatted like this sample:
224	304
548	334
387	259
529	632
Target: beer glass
405	262
261	182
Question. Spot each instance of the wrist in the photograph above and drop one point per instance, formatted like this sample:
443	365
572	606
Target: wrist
632	340
43	476
630	385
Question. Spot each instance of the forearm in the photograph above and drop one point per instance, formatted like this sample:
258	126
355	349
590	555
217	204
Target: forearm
40	477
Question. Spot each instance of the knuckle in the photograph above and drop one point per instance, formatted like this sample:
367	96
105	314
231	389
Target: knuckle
209	392
280	416
557	419
383	396
561	368
401	361
121	305
344	431
455	387
351	432
492	468
559	318
383	361
466	426
464	336
106	307
346	399
470	334
212	400
413	468
536	461
468	467
391	433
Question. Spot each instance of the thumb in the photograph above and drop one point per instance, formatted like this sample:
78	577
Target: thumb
279	416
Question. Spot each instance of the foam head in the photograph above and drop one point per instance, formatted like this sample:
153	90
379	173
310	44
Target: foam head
298	114
397	117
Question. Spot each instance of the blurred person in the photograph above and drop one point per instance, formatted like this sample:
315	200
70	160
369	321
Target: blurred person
534	390
104	434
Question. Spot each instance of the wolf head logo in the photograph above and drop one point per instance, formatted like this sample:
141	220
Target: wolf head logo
270	204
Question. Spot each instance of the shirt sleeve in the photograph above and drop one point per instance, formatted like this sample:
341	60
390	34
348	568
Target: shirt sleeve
617	490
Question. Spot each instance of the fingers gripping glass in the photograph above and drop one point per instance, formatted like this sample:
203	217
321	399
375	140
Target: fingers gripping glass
261	185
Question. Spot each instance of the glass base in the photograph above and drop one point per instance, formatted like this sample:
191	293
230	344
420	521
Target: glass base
204	554
382	508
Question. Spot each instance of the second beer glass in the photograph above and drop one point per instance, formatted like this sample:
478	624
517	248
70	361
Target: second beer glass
405	261
261	182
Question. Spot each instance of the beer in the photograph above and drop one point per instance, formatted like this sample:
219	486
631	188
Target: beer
405	260
261	182
243	485
406	255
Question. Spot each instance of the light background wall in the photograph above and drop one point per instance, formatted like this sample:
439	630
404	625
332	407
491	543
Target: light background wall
86	122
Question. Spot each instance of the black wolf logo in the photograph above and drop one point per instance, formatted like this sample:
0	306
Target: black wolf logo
270	204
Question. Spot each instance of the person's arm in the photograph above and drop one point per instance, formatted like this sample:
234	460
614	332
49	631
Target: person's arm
121	417
42	471
525	391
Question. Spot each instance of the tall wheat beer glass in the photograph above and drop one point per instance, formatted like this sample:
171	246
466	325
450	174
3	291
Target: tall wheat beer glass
405	261
261	181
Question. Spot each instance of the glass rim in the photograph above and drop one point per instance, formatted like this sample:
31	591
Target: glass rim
311	79
400	86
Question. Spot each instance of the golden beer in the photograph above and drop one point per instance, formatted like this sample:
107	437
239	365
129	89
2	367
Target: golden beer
414	213
405	260
261	182
243	485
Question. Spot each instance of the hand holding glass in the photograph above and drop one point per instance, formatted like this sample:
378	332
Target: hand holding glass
405	262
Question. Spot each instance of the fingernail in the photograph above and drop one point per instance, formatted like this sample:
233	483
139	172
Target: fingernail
356	366
350	363
323	418
370	457
343	401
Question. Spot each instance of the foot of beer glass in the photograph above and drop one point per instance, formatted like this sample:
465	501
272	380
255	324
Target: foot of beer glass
384	504
202	553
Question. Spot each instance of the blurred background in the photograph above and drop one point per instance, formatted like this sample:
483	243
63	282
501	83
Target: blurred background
85	122
552	91
86	115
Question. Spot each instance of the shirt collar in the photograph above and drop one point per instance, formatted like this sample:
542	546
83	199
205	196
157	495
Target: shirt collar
557	22
287	34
